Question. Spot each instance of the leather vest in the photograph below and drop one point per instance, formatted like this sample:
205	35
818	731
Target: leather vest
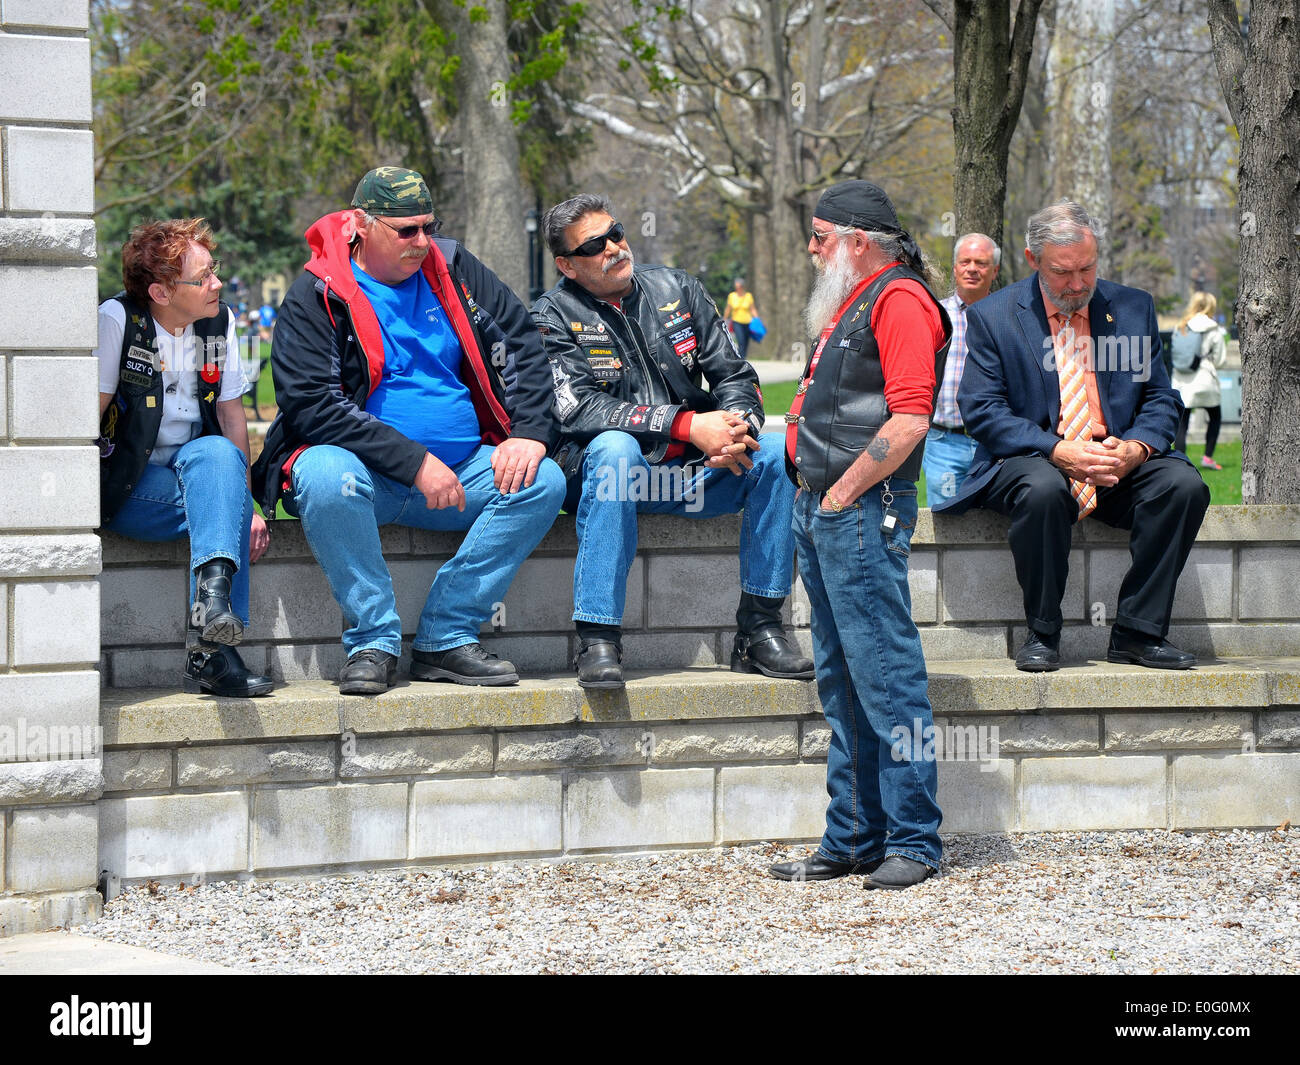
128	430
844	405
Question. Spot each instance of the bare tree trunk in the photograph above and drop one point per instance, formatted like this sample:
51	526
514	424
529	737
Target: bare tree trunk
990	60
1262	87
496	197
1081	84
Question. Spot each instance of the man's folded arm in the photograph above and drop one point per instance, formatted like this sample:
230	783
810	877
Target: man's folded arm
733	382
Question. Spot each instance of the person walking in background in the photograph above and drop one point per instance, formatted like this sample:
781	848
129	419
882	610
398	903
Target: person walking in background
1198	352
740	311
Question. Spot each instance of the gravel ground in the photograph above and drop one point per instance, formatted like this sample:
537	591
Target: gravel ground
1125	902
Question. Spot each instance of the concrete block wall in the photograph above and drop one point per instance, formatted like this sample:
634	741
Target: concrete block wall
50	756
431	774
1236	596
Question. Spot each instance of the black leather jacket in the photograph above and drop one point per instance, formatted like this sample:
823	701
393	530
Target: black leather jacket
637	368
844	402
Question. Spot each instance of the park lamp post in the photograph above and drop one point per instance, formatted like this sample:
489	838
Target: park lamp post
534	255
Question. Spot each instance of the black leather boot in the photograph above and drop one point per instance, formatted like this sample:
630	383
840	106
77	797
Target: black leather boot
216	670
211	616
761	645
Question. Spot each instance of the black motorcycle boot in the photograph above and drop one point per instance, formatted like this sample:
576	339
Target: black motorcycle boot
213	669
600	657
211	616
761	645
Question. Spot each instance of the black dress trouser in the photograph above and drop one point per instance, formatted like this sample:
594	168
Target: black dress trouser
1161	502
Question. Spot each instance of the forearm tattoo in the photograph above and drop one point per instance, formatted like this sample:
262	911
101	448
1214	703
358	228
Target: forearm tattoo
878	448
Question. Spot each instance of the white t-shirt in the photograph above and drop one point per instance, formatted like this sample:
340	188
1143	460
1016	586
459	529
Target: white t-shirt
180	359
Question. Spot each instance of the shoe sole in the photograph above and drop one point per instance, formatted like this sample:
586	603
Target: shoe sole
603	685
1038	667
227	630
871	885
1122	659
195	687
433	673
364	687
743	665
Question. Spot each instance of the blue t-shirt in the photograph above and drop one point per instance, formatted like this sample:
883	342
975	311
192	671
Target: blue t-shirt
421	394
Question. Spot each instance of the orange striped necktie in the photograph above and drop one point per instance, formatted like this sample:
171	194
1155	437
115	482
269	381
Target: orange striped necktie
1076	418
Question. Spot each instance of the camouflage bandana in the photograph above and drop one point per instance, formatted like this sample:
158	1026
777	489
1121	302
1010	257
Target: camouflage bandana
394	192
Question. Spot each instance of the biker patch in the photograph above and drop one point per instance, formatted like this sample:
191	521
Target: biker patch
565	401
677	319
606	368
592	338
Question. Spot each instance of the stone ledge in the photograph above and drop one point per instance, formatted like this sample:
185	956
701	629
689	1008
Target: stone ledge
134	717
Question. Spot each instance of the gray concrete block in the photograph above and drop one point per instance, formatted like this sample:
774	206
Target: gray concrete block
70	780
814	740
119	551
540	599
51	170
293	601
412	579
66	296
979	584
922	586
174	835
739	741
48	487
403	756
62	707
4	371
47	240
1069	794
977	797
1279	728
1236	790
557	748
1037	733
143	607
639	808
1174	729
1266	583
56	623
335	825
947	642
291	663
697	590
772	802
532	654
1237	639
53	849
255	763
73	555
154	668
1204	588
137	770
44	79
307	710
1126	686
4	625
671	650
51	14
44	913
75	417
501	815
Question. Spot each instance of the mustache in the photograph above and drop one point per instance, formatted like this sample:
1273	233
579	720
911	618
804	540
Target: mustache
415	254
624	255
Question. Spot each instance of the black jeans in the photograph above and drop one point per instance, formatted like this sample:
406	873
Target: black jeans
1215	416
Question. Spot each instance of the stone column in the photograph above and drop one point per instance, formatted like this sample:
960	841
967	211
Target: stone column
50	754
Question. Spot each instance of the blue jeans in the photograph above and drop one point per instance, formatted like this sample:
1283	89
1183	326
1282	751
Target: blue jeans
342	503
946	462
870	677
203	491
618	483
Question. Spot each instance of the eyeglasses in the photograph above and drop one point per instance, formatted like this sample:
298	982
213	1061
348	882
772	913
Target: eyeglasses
213	269
819	237
596	245
429	229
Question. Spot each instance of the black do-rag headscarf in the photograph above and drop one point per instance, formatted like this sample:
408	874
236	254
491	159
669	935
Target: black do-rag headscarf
862	205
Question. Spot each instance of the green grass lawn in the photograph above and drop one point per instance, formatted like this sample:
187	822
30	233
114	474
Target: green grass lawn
1225	485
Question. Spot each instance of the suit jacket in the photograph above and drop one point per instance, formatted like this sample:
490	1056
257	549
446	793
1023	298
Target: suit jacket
1010	395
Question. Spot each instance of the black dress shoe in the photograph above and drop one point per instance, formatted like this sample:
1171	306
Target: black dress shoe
815	867
768	651
218	670
1040	653
467	664
369	671
1139	649
598	666
211	616
897	873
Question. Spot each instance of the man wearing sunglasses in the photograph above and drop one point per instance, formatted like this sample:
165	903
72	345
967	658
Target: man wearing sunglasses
413	389
631	349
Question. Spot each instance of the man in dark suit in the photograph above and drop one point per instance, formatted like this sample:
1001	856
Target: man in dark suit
1069	400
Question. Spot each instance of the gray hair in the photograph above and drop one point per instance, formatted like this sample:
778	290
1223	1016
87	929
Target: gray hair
556	220
1064	222
895	246
997	252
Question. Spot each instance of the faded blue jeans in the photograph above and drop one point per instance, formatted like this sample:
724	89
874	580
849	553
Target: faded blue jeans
202	492
946	462
618	483
342	503
871	677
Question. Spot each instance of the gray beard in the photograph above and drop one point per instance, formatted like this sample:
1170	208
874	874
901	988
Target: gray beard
832	287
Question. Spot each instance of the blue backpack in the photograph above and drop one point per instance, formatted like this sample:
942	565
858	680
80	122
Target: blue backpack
1185	350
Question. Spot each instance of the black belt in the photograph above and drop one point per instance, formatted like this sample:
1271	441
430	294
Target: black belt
960	430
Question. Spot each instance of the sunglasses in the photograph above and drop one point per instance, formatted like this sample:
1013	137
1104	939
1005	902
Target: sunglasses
207	276
819	237
596	245
429	229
